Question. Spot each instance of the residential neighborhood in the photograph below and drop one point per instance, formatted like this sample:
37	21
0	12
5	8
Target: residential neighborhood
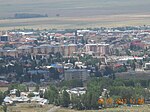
74	56
38	52
70	60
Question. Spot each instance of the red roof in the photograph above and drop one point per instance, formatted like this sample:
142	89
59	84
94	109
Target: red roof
117	65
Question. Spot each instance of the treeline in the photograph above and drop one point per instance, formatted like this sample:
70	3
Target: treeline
118	89
26	15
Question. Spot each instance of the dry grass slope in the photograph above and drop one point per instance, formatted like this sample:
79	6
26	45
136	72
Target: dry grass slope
26	107
76	22
35	108
143	108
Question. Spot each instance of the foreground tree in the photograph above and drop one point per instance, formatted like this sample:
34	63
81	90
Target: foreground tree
1	97
51	94
65	100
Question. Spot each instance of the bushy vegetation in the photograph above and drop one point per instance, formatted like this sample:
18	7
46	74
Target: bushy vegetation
117	88
1	97
71	83
20	87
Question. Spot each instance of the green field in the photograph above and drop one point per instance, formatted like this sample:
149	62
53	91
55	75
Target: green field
75	13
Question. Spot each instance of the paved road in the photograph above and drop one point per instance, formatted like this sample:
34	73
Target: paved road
53	109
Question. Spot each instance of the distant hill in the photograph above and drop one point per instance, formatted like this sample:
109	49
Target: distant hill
74	8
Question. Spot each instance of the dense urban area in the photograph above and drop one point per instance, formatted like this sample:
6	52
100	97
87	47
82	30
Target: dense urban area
80	69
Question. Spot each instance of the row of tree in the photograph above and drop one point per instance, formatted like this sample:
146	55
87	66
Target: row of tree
123	89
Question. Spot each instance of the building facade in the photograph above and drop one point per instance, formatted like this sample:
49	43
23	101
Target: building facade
76	74
97	49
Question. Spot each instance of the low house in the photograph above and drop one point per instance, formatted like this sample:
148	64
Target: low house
80	65
13	92
39	100
10	100
22	99
77	91
68	65
147	66
3	82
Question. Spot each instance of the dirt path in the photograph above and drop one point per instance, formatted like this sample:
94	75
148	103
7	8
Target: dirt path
53	109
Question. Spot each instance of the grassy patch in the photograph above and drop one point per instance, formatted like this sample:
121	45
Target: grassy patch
26	107
3	89
142	108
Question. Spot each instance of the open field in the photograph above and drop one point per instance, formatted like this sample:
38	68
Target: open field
33	108
76	22
75	13
26	107
143	108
